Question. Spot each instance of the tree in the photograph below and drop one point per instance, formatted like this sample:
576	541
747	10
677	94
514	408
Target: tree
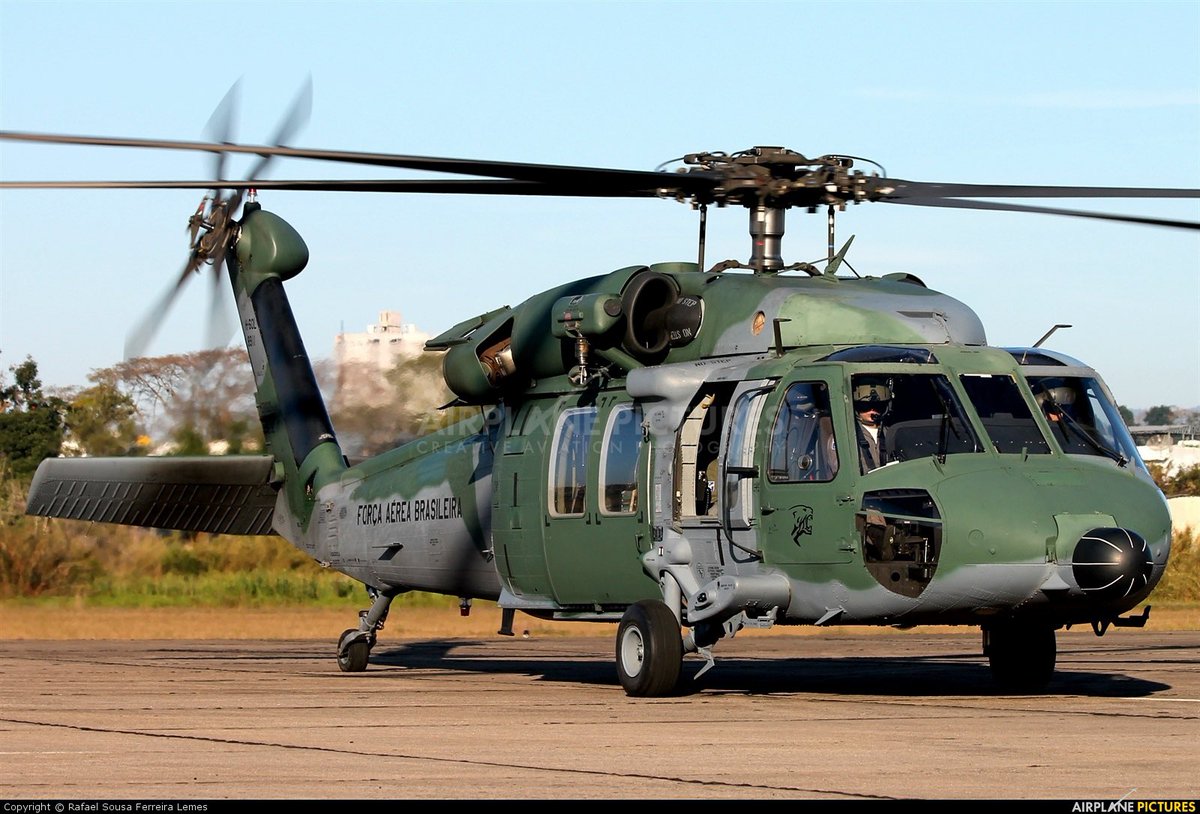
1126	415
31	423
188	441
1157	416
100	421
25	393
1185	482
1176	483
192	398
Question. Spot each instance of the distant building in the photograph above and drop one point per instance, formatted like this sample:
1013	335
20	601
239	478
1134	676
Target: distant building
362	360
1163	434
382	345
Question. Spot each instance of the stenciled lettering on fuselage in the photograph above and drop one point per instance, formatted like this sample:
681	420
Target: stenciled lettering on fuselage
417	510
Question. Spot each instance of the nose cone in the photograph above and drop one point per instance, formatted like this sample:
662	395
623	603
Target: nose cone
1109	563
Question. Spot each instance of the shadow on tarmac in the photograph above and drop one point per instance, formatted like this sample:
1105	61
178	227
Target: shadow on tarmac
908	676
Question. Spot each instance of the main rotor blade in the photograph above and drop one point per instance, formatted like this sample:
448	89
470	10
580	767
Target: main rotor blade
434	185
695	181
1042	210
920	189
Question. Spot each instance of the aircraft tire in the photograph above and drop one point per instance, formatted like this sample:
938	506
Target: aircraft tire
1022	656
649	649
353	657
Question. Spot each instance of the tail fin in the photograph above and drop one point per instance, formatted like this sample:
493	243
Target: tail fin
295	423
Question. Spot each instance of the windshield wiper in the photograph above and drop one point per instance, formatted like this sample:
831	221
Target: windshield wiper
947	424
1068	422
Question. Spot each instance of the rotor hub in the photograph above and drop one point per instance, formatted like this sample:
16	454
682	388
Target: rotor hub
779	178
210	228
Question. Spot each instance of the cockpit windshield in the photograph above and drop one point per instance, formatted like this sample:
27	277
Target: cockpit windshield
1004	413
902	417
1082	418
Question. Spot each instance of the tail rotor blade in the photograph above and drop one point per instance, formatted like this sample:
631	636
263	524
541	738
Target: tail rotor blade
297	116
140	337
220	328
220	322
212	227
221	125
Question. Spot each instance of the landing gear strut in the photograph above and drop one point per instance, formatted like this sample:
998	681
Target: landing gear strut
354	646
649	649
1021	654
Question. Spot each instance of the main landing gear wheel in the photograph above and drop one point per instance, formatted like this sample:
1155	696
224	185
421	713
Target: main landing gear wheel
1021	655
353	652
649	649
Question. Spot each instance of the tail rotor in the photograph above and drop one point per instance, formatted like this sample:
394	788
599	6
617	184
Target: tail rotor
212	228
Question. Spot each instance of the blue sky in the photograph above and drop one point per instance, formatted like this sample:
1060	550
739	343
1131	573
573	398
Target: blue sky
1040	93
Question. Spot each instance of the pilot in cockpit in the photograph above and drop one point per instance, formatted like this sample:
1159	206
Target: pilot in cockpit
1056	398
872	402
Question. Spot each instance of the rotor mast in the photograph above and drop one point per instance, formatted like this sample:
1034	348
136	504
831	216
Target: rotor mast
766	239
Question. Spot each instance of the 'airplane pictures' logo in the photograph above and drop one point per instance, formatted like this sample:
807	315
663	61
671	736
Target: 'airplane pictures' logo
1135	806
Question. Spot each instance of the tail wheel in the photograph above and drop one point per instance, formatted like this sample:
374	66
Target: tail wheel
352	657
649	649
1022	656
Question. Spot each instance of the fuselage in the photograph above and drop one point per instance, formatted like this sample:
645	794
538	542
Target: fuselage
733	469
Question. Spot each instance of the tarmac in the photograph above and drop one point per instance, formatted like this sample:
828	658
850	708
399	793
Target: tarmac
844	717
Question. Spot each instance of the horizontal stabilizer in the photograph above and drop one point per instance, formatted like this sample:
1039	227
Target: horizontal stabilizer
225	495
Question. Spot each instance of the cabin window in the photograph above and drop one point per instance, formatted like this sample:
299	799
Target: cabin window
618	466
569	463
1005	414
1082	418
802	442
904	417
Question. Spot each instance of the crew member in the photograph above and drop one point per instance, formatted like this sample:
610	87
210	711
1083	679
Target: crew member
872	401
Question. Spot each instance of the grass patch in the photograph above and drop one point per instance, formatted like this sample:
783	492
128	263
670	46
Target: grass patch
218	589
1181	581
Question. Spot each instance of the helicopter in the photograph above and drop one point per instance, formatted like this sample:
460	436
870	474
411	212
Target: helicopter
684	450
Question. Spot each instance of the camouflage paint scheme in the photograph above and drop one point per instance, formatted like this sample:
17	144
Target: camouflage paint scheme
666	447
467	511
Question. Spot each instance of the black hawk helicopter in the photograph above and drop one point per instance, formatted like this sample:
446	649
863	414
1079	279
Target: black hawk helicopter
687	451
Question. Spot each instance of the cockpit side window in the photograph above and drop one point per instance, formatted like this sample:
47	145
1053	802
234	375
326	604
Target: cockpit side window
1005	414
802	440
1082	418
